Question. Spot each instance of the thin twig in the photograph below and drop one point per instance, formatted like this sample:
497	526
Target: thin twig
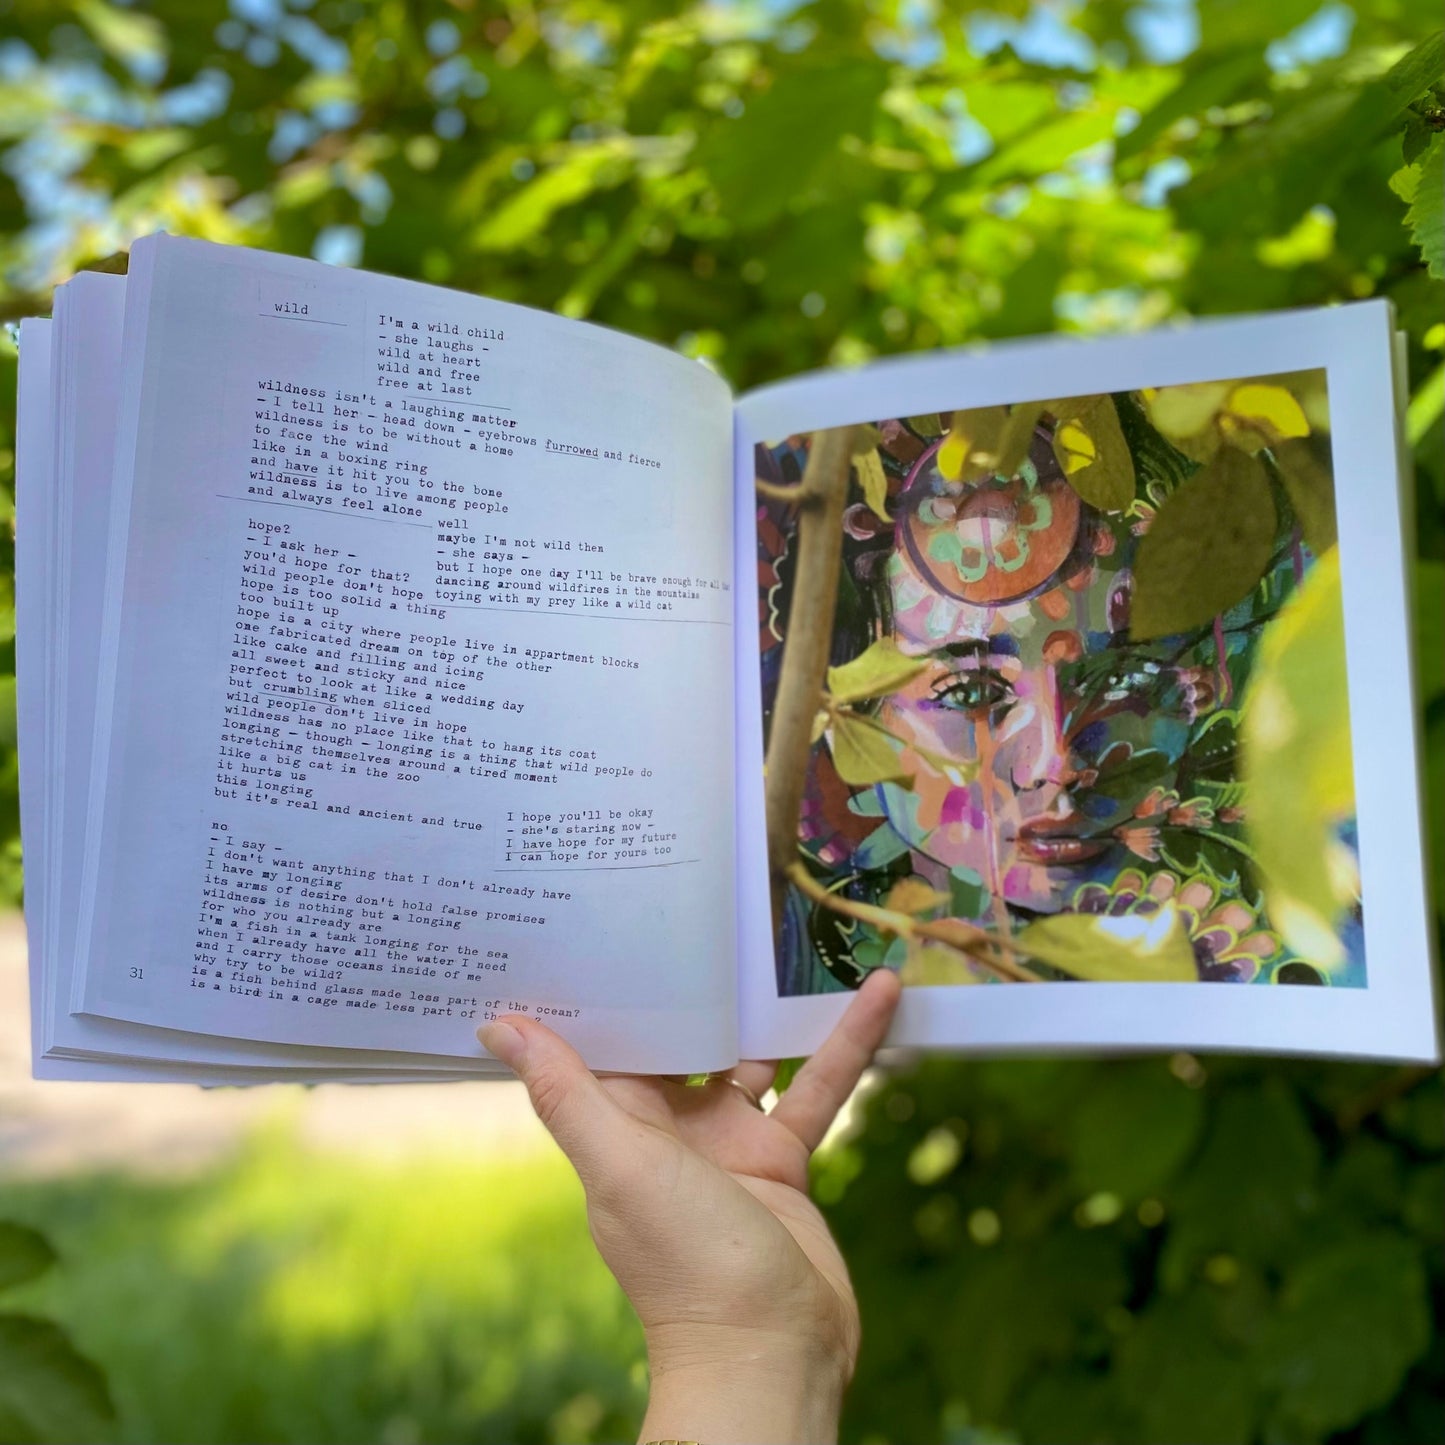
996	954
775	492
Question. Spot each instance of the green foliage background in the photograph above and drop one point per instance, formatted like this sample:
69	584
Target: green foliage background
1153	1250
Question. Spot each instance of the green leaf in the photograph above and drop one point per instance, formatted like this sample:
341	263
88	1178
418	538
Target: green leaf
863	753
1049	146
1430	628
873	481
24	1253
1301	156
1215	80
1206	549
913	895
971	449
46	1386
929	966
1435	809
1006	108
1418	134
1094	455
1352	1321
1017	437
7	712
133	38
1134	1127
1295	752
1311	489
1246	22
1249	1192
1426	216
759	162
1405	182
874	673
528	212
1131	948
1181	1383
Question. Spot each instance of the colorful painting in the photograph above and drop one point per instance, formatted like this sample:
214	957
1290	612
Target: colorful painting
1084	714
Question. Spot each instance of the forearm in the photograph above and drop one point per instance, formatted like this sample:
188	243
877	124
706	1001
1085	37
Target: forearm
764	1396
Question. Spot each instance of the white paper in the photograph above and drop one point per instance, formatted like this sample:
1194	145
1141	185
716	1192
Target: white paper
650	855
1394	1015
67	421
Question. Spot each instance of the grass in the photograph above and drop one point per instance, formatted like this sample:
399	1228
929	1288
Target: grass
290	1297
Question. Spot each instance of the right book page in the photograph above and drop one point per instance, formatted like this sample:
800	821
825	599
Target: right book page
1116	742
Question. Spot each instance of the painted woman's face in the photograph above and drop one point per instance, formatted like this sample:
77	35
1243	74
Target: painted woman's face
998	588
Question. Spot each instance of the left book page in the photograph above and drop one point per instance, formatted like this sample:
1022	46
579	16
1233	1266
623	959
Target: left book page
416	691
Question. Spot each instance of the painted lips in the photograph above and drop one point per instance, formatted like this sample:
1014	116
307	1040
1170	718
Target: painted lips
1053	842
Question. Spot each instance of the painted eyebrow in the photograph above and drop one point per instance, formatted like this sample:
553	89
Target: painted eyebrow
979	647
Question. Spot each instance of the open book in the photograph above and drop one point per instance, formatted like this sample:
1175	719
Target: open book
391	658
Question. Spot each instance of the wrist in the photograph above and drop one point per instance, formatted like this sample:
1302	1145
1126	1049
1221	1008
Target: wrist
728	1386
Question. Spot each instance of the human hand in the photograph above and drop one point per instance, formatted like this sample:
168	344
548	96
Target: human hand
698	1203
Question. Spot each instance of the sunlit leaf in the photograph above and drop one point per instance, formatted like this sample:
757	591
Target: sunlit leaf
1266	409
928	966
1017	437
1311	489
132	37
1246	22
1095	457
971	448
1074	447
879	670
531	208
1426	216
1295	756
1130	948
1182	412
874	482
1207	547
1213	80
864	754
913	895
1050	145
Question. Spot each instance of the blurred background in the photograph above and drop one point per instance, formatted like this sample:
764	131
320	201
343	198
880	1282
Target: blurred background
1152	1250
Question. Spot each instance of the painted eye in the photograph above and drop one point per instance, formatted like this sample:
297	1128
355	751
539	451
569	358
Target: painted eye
977	690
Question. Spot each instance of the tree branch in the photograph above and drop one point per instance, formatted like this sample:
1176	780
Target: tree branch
975	944
777	492
820	500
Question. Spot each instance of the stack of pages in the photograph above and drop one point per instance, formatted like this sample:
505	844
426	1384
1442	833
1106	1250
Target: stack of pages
391	658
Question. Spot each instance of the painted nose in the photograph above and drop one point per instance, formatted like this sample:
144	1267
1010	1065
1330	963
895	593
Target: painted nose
1041	753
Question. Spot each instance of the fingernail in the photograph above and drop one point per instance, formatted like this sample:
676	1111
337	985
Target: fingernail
503	1041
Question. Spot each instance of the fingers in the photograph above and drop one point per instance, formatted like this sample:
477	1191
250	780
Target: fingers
756	1075
823	1084
569	1100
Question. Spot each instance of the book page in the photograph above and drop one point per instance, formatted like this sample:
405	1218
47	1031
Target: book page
1116	748
421	674
34	473
66	442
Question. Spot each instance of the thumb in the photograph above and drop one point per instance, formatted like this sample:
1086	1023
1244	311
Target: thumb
576	1110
